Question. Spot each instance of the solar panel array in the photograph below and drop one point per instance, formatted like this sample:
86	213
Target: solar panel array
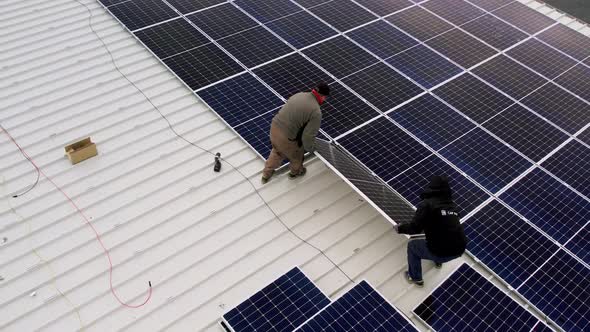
491	93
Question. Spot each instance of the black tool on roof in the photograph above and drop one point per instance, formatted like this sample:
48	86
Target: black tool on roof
217	166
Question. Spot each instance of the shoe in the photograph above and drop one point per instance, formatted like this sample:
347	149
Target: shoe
419	283
438	265
264	180
301	173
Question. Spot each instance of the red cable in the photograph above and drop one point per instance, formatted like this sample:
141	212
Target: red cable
88	223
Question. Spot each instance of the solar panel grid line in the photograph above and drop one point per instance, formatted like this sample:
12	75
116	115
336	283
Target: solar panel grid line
205	8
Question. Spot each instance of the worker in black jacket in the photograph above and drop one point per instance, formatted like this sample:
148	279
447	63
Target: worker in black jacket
436	217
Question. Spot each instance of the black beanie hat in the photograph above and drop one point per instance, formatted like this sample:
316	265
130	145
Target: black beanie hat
323	89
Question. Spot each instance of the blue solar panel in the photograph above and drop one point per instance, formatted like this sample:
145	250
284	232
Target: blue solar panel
187	6
172	37
454	11
382	39
256	133
473	97
279	307
255	46
382	86
135	14
541	327
222	21
485	159
338	14
420	23
576	81
508	245
383	8
560	107
561	289
240	99
526	132
565	39
424	66
466	194
523	17
585	136
461	48
495	32
580	244
572	165
360	309
301	29
432	121
548	204
467	301
384	148
541	58
264	10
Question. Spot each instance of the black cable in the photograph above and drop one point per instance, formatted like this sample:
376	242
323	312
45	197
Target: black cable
199	147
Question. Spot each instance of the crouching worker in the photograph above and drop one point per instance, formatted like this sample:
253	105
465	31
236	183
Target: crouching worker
436	217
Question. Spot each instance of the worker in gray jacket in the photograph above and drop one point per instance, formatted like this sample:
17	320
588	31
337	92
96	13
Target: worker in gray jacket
293	131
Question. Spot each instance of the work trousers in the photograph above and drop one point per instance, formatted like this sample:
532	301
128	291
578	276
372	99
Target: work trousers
283	148
417	251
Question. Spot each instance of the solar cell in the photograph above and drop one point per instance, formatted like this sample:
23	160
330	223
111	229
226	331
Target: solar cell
542	58
432	121
135	14
384	148
301	29
256	133
485	159
466	194
576	80
524	17
461	48
310	3
495	32
382	39
561	289
424	66
560	107
473	97
509	76
360	309
580	244
467	301
455	11
172	37
264	10
567	40
382	86
383	8
572	164
281	306
420	23
291	74
549	204
337	14
254	46
585	136
490	5
340	56
222	21
187	6
508	245
240	99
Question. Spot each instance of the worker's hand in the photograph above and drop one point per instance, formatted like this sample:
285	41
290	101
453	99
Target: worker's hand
396	228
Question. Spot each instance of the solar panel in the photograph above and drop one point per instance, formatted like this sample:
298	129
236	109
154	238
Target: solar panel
171	38
382	39
382	86
360	309
549	204
281	306
565	39
576	80
301	29
561	289
541	327
467	301
424	66
337	14
107	3
541	58
384	148
432	121
512	78
585	136
580	244
461	48
523	17
202	66
420	23
264	10
455	11
383	8
256	132
310	3
485	159
222	21
135	14
495	32
572	164
473	97
255	46
490	5
508	245
560	107
466	194
340	56
240	99
187	6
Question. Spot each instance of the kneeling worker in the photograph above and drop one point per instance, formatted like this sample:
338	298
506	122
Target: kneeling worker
293	131
436	216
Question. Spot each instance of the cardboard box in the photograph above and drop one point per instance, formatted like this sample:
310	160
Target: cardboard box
81	150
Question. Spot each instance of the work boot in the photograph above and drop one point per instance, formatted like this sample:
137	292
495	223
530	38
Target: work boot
301	173
419	283
264	179
438	265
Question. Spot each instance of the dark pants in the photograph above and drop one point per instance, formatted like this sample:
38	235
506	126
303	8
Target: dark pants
417	251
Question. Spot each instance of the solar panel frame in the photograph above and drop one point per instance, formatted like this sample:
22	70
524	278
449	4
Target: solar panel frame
494	31
579	244
336	13
135	16
567	40
572	165
462	48
457	12
383	8
311	3
301	29
265	11
255	46
188	6
585	136
171	38
576	81
420	23
541	58
490	5
382	39
523	17
222	21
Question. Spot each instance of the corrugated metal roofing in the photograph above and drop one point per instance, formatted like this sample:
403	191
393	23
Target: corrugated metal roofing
205	240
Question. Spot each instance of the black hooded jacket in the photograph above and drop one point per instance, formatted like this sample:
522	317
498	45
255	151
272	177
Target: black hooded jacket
437	217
